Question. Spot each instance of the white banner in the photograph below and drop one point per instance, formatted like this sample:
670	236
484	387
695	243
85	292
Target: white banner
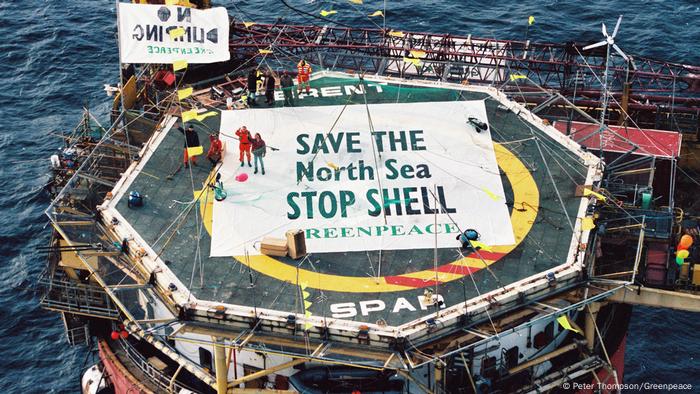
350	194
145	34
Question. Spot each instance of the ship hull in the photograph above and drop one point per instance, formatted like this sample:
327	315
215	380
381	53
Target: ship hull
123	381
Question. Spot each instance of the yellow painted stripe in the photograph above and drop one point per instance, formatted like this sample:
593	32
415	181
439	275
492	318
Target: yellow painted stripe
524	191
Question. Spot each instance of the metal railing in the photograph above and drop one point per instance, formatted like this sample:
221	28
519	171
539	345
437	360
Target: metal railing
658	224
157	377
65	295
78	335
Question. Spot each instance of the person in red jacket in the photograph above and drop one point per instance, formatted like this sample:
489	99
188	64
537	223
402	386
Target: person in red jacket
216	150
304	73
244	144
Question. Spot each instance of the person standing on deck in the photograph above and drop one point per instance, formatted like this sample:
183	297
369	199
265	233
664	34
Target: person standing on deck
252	86
259	85
303	76
287	84
191	141
216	150
270	89
244	144
259	151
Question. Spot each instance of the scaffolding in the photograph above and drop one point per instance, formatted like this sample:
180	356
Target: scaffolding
65	295
657	94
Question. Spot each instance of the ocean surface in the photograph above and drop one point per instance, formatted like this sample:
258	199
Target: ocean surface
56	56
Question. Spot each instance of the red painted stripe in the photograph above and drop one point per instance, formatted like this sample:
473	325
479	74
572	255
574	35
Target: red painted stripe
409	282
447	268
486	255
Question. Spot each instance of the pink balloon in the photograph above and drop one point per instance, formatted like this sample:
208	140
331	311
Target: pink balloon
242	177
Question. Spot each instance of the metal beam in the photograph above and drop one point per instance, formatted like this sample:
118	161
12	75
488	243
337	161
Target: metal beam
487	61
545	63
649	296
567	374
408	376
539	360
268	371
551	100
95	179
589	328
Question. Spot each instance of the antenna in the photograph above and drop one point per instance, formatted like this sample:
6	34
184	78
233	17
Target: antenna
609	42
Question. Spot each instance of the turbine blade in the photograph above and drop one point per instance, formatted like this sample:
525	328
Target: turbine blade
617	48
617	26
596	45
605	31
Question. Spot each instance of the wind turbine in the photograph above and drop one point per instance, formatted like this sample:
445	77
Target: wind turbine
610	42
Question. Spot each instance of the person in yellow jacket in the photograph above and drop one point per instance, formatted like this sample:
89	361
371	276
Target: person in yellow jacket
303	75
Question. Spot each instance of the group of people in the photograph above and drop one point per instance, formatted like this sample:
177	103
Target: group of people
257	81
246	144
266	82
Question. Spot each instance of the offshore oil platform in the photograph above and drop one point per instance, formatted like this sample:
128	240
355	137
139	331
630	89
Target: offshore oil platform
329	209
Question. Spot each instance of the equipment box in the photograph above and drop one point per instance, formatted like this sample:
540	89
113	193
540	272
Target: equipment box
273	246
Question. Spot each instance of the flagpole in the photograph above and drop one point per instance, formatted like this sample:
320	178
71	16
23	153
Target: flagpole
119	47
527	28
121	83
530	21
384	17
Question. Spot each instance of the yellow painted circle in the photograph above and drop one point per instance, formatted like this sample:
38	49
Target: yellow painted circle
524	191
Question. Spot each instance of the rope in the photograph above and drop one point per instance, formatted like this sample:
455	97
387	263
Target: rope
554	184
562	167
435	250
688	175
602	343
196	214
479	295
374	149
198	253
470	244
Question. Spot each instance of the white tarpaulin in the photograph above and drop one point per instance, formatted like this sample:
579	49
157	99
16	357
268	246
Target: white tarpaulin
145	34
346	202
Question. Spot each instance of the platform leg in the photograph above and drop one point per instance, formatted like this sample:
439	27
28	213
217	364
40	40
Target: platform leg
590	325
220	367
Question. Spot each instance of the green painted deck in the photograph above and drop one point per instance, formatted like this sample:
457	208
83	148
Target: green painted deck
227	280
